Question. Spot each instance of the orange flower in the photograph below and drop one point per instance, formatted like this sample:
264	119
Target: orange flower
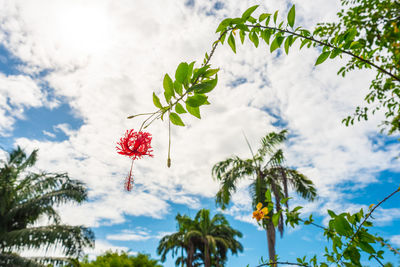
260	214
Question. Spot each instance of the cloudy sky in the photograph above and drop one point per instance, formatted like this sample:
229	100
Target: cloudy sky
72	71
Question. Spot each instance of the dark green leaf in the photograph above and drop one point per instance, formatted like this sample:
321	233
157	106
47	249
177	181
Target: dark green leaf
231	42
291	16
181	72
248	12
366	247
179	108
322	57
196	100
175	119
156	101
195	111
205	87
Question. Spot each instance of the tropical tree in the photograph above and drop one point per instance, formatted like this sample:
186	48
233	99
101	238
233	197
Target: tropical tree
216	237
178	242
269	174
115	259
27	196
204	238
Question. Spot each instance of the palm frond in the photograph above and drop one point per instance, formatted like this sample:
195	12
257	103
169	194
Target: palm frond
13	259
270	141
229	172
302	185
72	238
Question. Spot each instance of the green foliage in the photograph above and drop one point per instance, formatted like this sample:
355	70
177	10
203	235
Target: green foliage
25	197
204	240
115	259
370	30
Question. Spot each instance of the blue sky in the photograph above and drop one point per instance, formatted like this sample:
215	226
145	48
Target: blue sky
69	80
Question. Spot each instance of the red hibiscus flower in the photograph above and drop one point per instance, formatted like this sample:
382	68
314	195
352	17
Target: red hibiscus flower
134	145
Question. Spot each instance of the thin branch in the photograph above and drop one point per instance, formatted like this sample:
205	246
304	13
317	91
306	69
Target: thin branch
286	262
383	243
366	217
328	45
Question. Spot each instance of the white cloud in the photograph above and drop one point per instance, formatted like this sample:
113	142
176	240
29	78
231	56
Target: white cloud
395	240
17	92
136	235
49	134
108	74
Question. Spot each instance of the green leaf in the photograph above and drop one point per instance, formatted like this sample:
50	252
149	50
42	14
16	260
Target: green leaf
291	16
210	73
268	196
175	119
156	101
205	87
335	53
248	12
242	35
199	72
263	16
322	57
190	72
342	226
223	25
179	108
178	87
181	72
276	43
231	42
195	111
275	219
366	247
168	87
287	44
266	35
196	100
275	16
254	39
332	214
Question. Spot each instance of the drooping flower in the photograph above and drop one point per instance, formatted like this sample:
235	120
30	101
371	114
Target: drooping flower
260	214
134	145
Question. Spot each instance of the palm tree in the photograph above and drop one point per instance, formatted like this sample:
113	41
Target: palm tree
269	174
178	241
216	237
202	238
24	198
